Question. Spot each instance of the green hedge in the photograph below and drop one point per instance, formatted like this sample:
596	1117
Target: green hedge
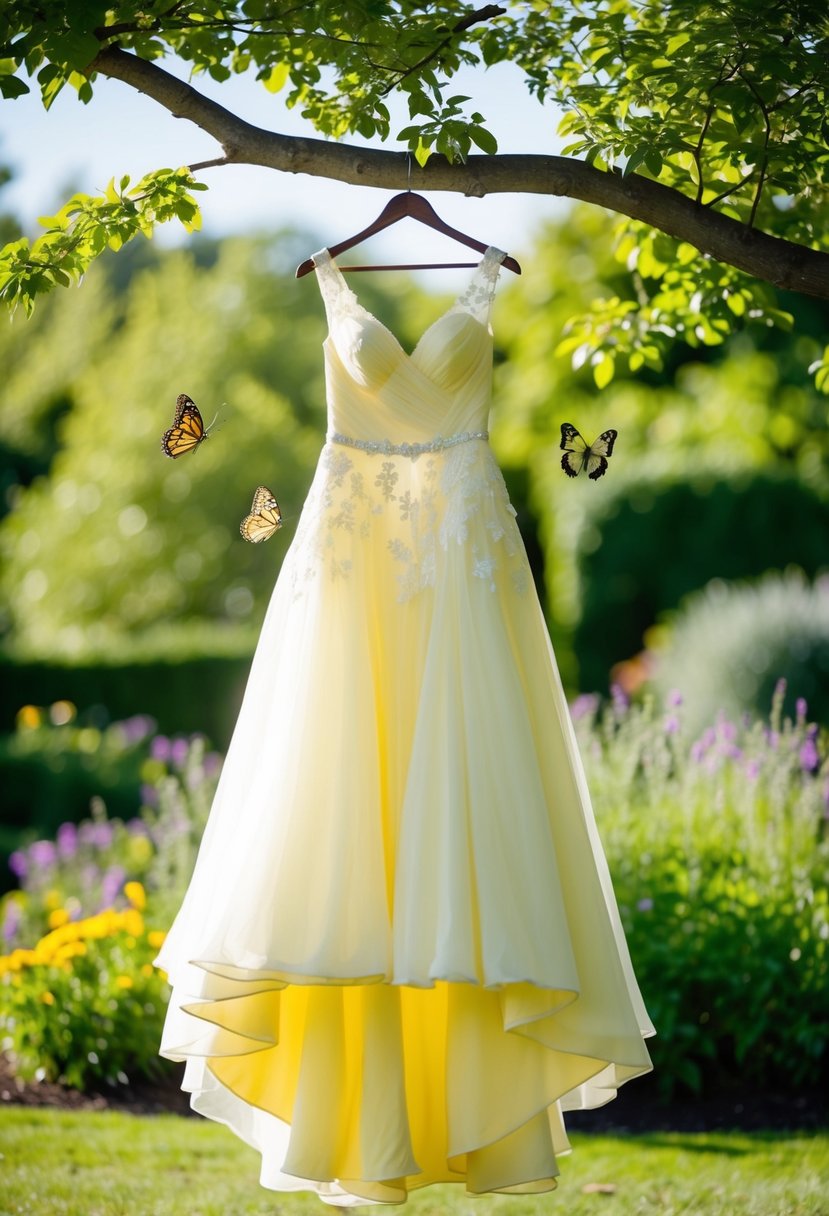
658	543
196	694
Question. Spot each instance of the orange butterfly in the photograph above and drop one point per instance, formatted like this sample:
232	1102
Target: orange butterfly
188	429
264	519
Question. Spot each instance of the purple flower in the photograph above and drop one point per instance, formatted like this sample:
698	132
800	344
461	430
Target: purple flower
726	730
160	748
42	854
584	705
100	834
11	920
67	840
809	758
19	864
112	882
178	752
671	724
801	709
674	699
137	728
780	687
212	764
644	905
620	698
149	797
706	740
137	827
753	770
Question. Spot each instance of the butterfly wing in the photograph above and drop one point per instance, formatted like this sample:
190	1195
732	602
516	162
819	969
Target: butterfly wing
575	450
264	519
187	431
597	454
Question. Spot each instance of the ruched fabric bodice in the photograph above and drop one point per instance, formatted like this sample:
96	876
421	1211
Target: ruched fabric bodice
376	390
399	960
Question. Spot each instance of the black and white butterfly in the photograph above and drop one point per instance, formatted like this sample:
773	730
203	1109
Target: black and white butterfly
580	456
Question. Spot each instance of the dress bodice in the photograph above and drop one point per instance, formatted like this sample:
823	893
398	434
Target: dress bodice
378	392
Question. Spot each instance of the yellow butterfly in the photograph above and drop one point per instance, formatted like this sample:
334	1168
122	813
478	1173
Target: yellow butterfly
581	456
188	429
264	519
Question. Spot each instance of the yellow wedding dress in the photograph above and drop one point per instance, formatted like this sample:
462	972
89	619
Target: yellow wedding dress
400	958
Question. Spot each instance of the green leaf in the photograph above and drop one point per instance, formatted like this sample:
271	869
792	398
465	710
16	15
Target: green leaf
678	40
12	86
604	368
422	153
637	157
484	140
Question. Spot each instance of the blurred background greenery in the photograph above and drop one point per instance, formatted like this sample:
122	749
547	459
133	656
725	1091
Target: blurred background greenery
696	571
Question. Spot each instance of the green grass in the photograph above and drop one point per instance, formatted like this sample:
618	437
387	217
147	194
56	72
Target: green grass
106	1164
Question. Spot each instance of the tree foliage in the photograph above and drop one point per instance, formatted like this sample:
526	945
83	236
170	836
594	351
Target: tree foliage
109	541
720	467
705	122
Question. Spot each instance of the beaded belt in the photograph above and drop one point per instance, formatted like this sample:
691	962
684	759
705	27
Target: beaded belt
385	447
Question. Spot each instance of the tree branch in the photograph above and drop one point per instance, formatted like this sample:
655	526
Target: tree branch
783	263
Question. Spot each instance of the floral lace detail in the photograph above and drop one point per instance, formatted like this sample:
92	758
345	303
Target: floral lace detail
453	498
477	299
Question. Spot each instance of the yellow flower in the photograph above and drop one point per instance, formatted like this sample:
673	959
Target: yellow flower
156	938
21	958
47	998
147	969
52	898
57	918
96	926
136	895
123	981
70	950
29	717
132	922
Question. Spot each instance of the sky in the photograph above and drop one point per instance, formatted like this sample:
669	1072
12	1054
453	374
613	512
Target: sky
77	147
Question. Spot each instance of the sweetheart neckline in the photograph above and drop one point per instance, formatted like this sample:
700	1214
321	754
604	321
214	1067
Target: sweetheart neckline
410	355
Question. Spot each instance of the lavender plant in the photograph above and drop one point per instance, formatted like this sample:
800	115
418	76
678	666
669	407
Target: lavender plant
719	850
83	871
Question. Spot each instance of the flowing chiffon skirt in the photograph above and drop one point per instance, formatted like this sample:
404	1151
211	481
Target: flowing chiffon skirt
400	958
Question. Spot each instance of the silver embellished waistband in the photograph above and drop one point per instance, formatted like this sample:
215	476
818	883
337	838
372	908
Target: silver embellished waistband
385	447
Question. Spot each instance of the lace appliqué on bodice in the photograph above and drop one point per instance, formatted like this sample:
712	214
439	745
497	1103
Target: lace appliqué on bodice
458	498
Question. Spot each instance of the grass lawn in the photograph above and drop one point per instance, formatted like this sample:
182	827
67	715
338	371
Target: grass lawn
64	1163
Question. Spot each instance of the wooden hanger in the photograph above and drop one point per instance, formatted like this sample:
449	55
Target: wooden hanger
416	207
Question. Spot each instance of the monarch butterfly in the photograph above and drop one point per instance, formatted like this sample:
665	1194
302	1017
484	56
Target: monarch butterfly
264	519
188	429
580	455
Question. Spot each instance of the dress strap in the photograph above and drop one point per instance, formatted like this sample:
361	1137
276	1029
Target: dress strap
336	294
477	298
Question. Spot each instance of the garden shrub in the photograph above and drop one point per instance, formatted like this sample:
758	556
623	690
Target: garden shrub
86	1005
166	686
50	773
719	853
656	543
84	869
727	646
718	846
